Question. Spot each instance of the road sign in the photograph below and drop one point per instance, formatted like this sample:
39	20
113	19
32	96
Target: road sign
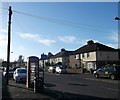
43	56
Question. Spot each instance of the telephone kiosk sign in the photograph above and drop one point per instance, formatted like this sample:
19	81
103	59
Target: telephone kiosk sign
32	70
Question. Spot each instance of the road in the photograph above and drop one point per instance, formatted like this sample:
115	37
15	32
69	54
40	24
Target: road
83	85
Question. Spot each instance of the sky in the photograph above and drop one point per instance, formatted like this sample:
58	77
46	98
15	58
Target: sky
42	27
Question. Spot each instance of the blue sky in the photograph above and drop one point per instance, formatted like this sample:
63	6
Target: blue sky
40	27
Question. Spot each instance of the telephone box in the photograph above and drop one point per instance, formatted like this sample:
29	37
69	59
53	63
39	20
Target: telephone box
32	70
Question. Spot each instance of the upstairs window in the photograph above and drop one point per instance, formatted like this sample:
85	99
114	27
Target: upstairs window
77	56
88	55
83	55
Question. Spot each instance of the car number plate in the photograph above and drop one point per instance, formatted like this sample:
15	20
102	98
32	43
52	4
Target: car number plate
106	72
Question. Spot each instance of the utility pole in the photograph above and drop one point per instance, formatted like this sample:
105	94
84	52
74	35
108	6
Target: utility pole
8	47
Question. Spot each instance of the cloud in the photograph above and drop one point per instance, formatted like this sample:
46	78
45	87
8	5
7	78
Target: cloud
28	36
47	42
3	38
37	38
3	30
67	39
114	37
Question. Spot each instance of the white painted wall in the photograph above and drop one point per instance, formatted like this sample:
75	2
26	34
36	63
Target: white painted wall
92	56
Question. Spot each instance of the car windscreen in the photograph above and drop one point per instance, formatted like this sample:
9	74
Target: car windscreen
22	71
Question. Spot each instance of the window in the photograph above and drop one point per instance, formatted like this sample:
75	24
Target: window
75	65
111	68
88	54
83	55
77	56
102	68
22	71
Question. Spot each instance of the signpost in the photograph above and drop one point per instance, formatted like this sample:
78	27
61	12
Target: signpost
43	57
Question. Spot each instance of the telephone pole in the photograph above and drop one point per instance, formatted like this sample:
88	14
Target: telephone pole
8	47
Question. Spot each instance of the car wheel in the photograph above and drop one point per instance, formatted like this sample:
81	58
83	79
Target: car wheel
112	77
96	75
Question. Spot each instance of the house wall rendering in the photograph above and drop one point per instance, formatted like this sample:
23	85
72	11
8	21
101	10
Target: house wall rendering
88	56
107	56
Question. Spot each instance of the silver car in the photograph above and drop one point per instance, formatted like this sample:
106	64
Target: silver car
20	75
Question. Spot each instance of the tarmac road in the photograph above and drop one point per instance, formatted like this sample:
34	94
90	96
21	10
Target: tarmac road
84	85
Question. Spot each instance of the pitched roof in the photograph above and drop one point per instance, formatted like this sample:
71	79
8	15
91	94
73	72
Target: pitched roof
93	47
49	56
62	54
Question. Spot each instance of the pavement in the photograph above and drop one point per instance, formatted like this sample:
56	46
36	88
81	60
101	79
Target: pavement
14	91
19	91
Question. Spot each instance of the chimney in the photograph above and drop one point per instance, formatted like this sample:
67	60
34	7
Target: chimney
49	53
62	50
90	42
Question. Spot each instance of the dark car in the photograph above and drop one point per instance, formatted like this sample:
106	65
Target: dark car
112	72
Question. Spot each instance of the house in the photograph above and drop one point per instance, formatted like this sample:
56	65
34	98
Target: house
47	61
93	55
61	58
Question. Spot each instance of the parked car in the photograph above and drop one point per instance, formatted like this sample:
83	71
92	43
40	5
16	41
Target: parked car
112	72
11	71
51	69
61	70
16	68
20	75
